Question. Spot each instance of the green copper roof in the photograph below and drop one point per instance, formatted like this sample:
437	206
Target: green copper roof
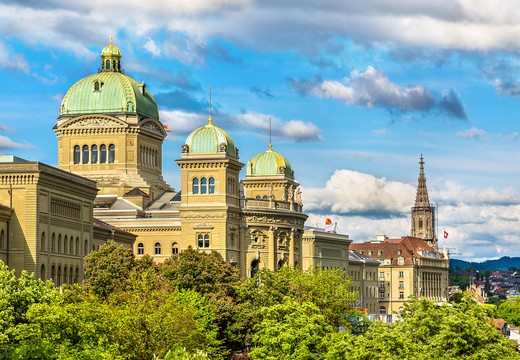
210	139
114	93
269	163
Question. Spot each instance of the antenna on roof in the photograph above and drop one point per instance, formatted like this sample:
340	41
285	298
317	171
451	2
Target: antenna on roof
210	119
270	142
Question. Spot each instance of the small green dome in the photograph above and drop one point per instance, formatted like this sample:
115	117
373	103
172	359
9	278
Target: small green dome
269	163
109	91
210	139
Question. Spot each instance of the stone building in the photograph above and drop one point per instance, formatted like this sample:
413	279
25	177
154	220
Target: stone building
46	223
109	131
423	212
363	271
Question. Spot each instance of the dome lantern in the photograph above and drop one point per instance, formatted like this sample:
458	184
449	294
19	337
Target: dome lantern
111	58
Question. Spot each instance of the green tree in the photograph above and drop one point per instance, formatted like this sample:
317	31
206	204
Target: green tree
291	330
17	295
509	310
108	268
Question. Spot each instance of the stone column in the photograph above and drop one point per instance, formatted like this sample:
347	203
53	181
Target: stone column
242	248
272	248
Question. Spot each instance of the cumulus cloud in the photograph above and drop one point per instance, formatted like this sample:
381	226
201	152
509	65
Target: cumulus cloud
181	122
8	144
352	192
298	130
482	222
152	47
13	61
373	88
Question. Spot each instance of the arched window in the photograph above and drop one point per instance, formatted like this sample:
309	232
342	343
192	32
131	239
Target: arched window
206	240
77	155
77	245
175	248
140	249
280	264
65	274
53	273
420	223
203	185
85	248
255	266
71	276
94	154
195	185
96	86
65	244
58	277
76	277
265	197
85	154
43	245
53	242
107	64
59	243
43	275
103	154
211	185
200	240
71	246
382	310
111	153
258	197
157	248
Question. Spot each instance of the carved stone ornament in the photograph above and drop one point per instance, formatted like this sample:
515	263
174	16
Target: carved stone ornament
281	170
94	122
185	148
203	226
152	127
223	147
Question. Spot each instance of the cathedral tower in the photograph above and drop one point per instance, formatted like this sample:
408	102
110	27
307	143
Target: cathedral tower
109	131
423	213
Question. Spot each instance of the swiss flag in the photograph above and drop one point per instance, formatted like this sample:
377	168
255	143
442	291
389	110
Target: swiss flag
445	234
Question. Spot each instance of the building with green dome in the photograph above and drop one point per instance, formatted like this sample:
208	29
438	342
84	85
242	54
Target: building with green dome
109	131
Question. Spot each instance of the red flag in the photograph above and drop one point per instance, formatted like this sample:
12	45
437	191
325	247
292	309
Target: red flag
328	221
445	234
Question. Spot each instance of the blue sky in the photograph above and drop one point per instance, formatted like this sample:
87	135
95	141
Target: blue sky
357	91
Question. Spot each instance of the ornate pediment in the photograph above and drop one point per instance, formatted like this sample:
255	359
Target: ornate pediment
153	127
93	122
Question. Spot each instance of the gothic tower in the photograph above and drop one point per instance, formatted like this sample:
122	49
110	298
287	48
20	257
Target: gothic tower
423	213
109	131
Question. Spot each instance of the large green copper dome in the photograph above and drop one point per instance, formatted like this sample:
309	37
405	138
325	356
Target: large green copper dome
269	163
210	139
109	91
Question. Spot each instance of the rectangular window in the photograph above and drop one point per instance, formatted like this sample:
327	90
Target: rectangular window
381	276
401	294
401	284
401	274
382	295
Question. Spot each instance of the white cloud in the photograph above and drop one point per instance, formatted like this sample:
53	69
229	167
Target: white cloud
181	122
353	192
12	61
373	88
6	144
298	130
473	133
152	47
481	222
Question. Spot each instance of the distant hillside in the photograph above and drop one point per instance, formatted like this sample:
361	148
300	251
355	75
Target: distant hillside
503	263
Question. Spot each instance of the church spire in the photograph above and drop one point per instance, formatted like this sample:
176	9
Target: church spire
423	213
421	198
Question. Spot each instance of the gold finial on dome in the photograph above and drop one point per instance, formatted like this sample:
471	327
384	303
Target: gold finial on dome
110	39
270	142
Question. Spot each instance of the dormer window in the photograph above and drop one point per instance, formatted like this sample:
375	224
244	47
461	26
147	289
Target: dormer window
97	85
